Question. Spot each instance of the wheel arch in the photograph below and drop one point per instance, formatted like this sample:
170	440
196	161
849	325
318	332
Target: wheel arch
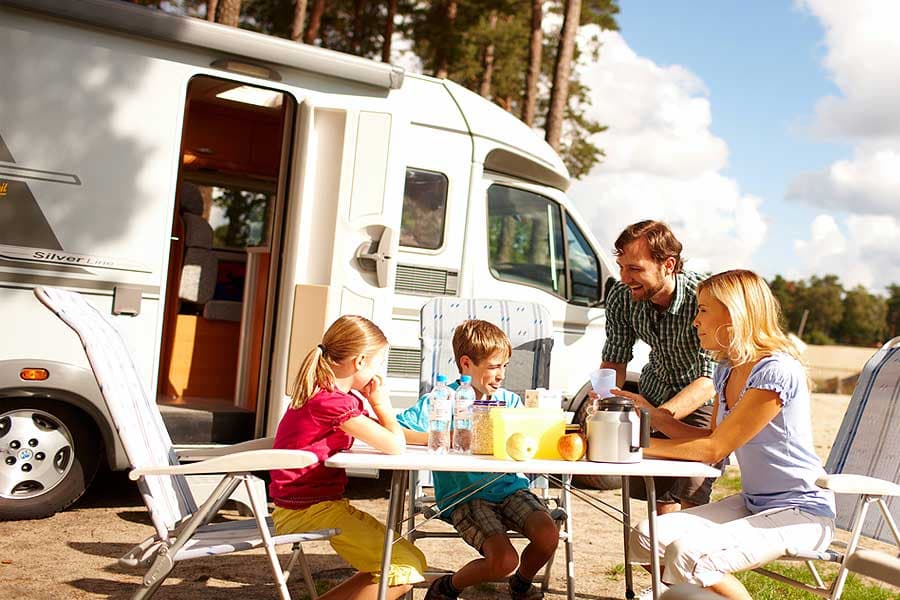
68	384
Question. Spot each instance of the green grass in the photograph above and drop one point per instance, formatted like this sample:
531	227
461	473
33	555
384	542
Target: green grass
615	572
726	485
322	586
764	588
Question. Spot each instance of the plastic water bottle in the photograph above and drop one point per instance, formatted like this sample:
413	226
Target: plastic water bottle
440	414
462	416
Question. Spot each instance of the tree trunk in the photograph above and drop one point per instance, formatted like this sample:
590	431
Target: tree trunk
535	50
442	60
388	31
229	12
559	95
315	20
299	20
487	58
211	10
356	36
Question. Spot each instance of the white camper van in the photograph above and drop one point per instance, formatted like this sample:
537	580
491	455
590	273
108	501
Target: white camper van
222	196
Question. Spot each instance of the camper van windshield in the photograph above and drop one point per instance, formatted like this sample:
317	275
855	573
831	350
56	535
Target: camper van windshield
529	244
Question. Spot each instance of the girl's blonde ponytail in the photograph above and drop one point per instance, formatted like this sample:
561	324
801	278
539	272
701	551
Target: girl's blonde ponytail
350	335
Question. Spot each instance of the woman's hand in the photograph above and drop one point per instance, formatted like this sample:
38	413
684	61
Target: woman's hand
639	401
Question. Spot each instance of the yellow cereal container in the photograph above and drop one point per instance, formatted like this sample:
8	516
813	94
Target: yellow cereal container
545	425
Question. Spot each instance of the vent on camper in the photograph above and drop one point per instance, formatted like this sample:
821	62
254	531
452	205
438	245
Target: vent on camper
404	362
425	281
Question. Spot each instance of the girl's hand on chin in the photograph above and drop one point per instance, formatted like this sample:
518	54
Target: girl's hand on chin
375	392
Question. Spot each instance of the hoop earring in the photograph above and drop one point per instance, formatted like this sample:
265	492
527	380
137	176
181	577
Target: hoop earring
716	336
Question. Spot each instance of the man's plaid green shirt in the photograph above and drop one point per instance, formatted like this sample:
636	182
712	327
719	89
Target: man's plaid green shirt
676	358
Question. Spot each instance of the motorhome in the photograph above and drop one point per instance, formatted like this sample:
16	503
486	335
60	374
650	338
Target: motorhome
222	196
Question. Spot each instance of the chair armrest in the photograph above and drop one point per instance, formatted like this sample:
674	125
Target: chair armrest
877	565
239	462
846	483
192	454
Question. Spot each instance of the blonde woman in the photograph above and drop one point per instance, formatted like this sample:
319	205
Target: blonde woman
325	416
762	414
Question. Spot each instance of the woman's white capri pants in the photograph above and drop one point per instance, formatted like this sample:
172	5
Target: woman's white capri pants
699	545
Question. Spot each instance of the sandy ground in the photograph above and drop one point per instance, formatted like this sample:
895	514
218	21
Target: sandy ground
73	554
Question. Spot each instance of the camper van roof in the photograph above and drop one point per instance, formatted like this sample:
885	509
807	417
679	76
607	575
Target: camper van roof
146	22
521	153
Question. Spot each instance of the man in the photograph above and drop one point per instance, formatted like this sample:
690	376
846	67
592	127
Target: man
656	302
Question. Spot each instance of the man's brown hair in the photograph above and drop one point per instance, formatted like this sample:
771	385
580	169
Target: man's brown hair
660	238
479	340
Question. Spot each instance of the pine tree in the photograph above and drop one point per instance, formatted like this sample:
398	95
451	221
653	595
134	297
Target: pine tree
299	20
229	12
565	53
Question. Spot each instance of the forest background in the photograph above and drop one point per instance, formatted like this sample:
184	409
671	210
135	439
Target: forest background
520	55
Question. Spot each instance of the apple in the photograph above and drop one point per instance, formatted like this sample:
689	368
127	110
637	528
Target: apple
520	446
571	446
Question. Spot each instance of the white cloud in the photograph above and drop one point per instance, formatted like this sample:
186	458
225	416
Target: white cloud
863	59
663	162
867	184
867	254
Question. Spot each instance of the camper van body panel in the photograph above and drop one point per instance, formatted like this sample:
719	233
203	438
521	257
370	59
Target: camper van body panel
91	155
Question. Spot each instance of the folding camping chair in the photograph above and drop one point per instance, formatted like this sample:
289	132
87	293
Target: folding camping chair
530	330
183	530
863	467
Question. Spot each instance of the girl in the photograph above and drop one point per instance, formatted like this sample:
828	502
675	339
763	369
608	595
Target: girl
325	417
762	414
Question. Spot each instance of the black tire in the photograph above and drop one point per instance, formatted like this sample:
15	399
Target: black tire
52	464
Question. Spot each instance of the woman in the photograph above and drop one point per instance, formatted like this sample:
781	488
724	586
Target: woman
762	414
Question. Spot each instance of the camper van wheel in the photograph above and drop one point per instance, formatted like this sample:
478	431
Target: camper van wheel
49	454
597	482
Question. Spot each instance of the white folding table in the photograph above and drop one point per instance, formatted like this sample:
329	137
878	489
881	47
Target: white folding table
417	458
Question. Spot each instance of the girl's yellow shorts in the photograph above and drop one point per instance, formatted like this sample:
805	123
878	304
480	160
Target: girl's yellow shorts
360	542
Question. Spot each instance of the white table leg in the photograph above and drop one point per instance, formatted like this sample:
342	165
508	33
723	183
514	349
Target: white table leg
626	532
392	527
650	485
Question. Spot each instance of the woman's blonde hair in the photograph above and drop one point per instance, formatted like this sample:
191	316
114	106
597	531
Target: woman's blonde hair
349	336
755	317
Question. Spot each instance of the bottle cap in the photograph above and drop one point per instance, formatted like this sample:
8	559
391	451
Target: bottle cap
441	378
465	379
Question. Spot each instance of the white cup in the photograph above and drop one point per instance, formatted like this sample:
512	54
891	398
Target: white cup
603	380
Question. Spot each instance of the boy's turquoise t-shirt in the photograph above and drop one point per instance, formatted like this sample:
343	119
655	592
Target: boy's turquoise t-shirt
449	486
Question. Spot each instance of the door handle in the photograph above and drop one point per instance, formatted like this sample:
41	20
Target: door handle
382	259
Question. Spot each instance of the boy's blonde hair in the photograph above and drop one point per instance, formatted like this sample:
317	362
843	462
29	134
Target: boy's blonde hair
349	336
755	316
479	340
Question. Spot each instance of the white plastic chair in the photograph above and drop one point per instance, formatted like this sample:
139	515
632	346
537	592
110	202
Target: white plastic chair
863	467
529	327
183	530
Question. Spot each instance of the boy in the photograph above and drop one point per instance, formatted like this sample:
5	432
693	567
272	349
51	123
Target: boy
482	351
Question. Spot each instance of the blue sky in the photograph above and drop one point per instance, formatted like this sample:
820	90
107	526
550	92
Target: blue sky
784	122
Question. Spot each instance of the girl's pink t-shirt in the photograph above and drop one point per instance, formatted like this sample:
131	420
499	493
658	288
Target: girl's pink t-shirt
314	427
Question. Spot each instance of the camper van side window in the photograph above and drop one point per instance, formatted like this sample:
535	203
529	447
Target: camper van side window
526	239
584	268
424	209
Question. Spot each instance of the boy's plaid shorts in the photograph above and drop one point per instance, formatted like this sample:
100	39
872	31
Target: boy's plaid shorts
478	519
